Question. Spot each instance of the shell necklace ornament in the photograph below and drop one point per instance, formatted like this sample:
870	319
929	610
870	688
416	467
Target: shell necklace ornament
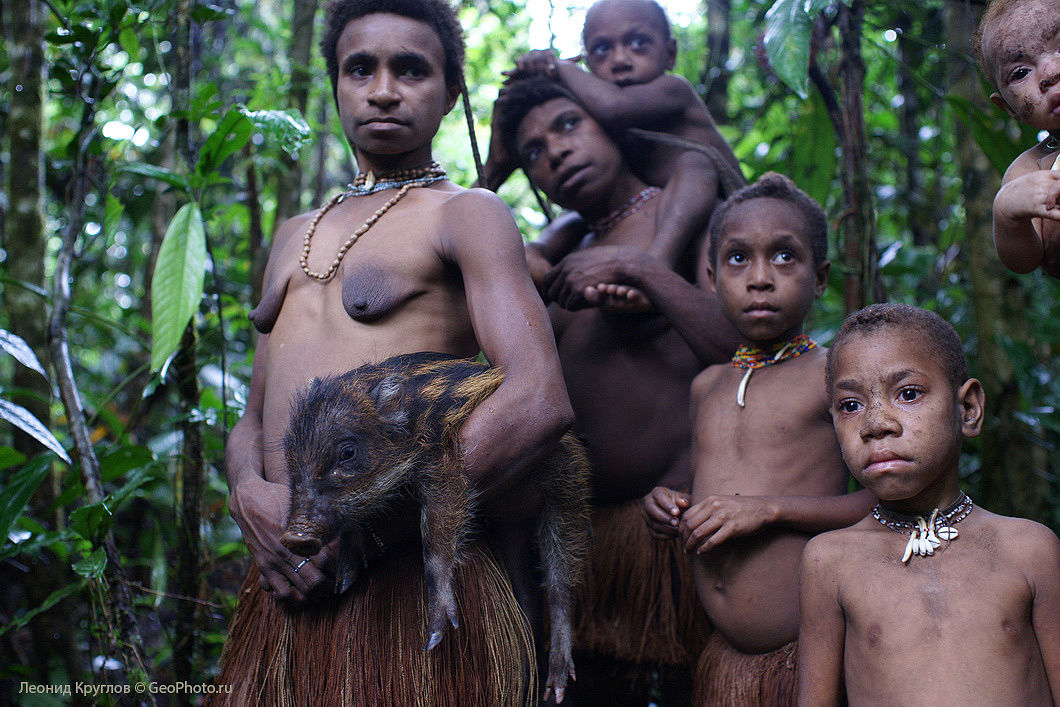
363	184
925	535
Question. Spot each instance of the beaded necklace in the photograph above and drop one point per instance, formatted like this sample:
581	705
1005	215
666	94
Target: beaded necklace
363	184
753	358
630	207
925	535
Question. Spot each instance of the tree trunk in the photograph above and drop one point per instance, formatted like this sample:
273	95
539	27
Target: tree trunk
289	186
716	72
192	466
1011	474
858	225
23	239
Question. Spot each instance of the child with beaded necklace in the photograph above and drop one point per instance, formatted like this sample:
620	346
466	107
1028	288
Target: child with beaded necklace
929	599
767	469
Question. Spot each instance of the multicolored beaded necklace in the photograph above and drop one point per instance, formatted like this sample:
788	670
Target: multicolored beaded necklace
753	358
363	184
630	207
925	535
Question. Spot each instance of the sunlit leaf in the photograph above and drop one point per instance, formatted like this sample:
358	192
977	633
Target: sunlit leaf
287	129
178	281
24	420
17	347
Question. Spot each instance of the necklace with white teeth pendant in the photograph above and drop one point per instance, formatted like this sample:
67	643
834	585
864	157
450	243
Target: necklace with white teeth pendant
925	535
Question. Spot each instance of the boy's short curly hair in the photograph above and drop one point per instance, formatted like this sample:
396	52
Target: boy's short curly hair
655	11
774	186
439	14
909	322
519	98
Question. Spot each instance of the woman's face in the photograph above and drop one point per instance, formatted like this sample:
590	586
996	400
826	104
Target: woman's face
567	154
391	90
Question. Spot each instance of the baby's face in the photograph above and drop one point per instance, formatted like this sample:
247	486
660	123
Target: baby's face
899	419
1022	53
625	45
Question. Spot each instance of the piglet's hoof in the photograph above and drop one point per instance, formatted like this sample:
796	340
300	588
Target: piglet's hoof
439	616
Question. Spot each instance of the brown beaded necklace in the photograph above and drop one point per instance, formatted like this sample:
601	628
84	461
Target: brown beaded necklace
367	183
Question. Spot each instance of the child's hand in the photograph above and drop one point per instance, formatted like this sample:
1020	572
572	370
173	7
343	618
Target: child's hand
537	62
716	519
662	511
1034	195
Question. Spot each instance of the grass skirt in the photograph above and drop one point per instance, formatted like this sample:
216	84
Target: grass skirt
639	603
365	647
725	676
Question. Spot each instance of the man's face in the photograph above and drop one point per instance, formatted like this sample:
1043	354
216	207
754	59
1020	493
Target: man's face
391	84
567	154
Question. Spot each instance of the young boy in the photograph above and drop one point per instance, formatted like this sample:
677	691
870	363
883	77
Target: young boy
629	50
767	468
1019	50
930	599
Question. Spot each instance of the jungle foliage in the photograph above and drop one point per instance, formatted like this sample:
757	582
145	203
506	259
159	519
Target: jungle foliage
151	146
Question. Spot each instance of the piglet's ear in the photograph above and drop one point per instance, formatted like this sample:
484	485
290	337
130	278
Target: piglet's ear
389	398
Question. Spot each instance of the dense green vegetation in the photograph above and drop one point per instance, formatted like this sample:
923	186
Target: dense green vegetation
150	146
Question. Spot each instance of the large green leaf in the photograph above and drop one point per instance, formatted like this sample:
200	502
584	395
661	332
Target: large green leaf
24	420
18	489
177	285
91	521
789	24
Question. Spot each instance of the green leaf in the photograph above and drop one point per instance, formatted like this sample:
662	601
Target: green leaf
111	218
9	457
91	566
123	460
813	150
24	419
994	141
178	281
91	521
54	598
208	12
787	42
18	490
150	170
17	347
231	134
287	129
